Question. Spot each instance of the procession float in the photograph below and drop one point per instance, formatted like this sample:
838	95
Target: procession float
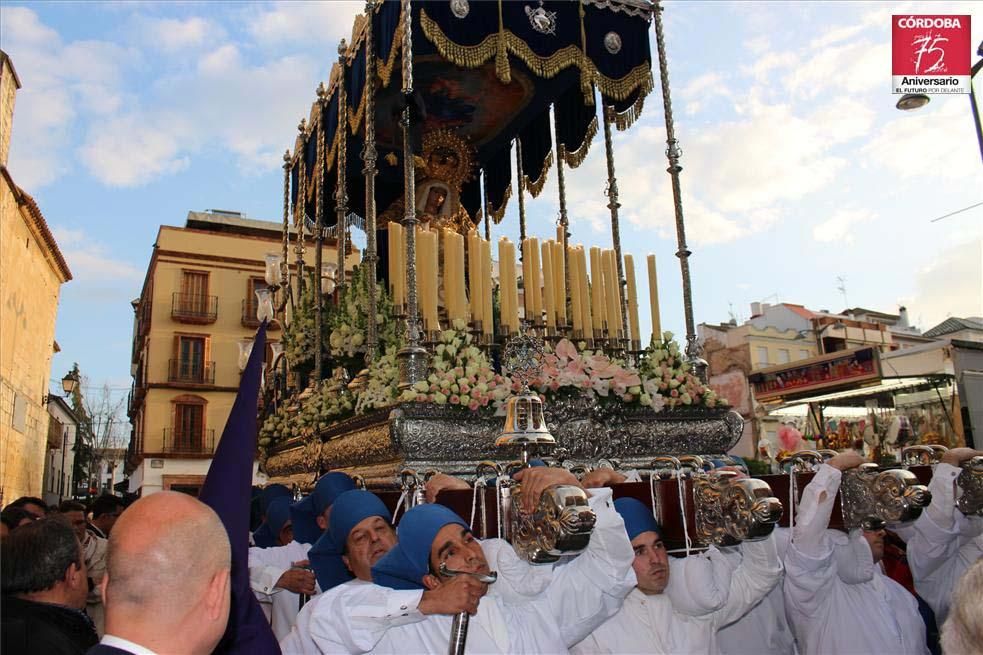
424	354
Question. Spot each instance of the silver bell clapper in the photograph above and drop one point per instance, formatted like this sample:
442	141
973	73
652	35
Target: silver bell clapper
562	521
459	629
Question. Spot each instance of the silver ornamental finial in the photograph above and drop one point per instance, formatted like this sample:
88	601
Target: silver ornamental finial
523	359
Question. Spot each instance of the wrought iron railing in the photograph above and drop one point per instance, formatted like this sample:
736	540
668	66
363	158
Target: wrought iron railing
194	308
188	442
191	371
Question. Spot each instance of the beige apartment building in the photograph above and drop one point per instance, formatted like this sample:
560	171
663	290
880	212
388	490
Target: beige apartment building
32	270
197	303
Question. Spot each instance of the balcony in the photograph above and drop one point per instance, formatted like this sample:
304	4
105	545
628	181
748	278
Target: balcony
188	442
193	308
184	371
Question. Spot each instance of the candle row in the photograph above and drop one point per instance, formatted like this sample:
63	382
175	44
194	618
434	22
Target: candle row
595	300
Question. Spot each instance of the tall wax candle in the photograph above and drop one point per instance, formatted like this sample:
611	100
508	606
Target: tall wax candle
559	282
654	299
504	299
575	295
536	273
462	296
632	298
548	295
486	291
598	306
585	308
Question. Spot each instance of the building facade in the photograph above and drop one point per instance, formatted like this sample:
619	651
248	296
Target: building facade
60	460
32	270
197	304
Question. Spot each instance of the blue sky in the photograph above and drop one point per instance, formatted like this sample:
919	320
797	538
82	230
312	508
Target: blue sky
797	167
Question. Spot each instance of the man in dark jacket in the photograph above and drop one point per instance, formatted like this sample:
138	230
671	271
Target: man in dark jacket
44	587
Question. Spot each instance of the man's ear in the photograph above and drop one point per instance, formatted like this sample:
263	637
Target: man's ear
345	561
215	593
73	576
431	582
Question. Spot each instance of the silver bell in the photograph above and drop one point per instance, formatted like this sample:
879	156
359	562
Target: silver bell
524	423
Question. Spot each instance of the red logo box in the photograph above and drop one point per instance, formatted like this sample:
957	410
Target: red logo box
930	54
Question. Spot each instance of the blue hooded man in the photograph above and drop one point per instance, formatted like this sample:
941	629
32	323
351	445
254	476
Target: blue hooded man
529	609
678	605
263	536
280	574
359	536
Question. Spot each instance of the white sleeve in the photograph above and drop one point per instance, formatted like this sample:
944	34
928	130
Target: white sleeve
590	589
759	571
354	618
699	584
810	572
935	537
266	565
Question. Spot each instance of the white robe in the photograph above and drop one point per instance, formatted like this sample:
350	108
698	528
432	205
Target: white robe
530	609
266	565
704	593
836	598
299	641
764	630
943	543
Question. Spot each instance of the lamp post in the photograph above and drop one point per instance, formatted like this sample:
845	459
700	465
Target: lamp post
68	384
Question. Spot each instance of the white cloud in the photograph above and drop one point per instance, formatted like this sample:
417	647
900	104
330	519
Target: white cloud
174	35
952	285
133	149
701	89
841	225
89	259
295	22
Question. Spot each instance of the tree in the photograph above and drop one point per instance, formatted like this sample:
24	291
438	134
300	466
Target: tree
103	430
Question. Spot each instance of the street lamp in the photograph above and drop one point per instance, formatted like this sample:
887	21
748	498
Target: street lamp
69	384
911	101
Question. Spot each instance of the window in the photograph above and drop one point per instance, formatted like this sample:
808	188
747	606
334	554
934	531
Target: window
194	285
762	353
803	354
783	356
189	424
190	364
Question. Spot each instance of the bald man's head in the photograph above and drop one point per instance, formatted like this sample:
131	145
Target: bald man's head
165	549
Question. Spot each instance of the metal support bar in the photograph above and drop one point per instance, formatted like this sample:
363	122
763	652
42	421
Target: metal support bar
614	205
673	154
322	101
301	222
341	188
564	219
370	155
521	186
412	359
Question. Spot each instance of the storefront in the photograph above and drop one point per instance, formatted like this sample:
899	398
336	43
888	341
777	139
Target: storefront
861	398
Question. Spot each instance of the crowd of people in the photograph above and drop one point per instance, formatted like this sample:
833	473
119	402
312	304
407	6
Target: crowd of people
334	576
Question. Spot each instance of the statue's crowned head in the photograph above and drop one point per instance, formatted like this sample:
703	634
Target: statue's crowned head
448	158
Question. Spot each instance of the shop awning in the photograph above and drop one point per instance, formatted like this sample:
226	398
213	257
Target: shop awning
885	388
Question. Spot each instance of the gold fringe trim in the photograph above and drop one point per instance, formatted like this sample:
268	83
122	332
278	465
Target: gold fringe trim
627	118
385	68
502	68
575	158
498	214
535	187
459	55
638	79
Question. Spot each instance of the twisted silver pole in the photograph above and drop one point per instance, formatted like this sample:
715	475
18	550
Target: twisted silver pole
322	101
301	208
412	359
341	188
521	185
370	155
614	205
564	219
673	154
284	264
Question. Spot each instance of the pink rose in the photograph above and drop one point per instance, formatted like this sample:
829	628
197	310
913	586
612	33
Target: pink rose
473	405
455	400
566	349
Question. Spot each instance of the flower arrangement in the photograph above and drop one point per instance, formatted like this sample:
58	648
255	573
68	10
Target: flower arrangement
665	373
324	406
460	374
299	335
568	368
347	323
382	387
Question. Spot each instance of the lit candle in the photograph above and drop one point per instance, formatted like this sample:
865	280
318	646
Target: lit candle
597	290
526	278
474	275
575	296
632	298
548	295
559	283
536	286
654	300
486	292
587	320
458	272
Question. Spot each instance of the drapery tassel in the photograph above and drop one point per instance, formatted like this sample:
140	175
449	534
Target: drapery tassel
535	187
577	157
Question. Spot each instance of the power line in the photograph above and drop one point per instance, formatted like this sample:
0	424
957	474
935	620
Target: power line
958	211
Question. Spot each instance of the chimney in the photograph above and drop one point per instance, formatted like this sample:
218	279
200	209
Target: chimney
903	317
755	309
9	83
764	307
